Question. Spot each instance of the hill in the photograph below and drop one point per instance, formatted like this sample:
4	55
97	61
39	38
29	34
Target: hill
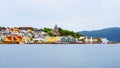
112	34
62	32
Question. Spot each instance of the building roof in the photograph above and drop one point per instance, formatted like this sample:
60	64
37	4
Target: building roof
55	31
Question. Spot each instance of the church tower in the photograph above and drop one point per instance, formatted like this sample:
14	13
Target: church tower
55	31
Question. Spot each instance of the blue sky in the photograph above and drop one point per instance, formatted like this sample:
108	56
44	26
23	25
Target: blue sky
76	15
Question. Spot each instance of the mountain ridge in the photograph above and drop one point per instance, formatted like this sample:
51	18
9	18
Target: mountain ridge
112	34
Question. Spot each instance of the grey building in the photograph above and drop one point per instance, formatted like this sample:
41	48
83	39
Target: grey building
68	39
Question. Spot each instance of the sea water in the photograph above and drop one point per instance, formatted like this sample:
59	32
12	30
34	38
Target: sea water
60	56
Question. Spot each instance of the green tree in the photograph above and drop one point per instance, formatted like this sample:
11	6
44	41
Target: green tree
50	34
47	30
1	28
67	32
62	32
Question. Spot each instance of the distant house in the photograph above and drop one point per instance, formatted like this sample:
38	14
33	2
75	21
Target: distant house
11	39
37	30
38	40
51	39
92	40
1	37
68	39
55	31
3	28
15	31
26	40
104	40
81	40
25	28
36	33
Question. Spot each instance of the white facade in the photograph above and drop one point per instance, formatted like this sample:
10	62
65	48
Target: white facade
104	41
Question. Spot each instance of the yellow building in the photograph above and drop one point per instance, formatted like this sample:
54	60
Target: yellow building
51	40
25	40
30	30
15	31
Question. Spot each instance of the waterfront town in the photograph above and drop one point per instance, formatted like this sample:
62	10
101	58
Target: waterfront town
30	35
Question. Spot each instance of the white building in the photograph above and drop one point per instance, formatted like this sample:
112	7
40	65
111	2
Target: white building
104	40
67	39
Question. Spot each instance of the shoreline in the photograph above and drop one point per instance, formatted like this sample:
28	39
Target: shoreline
54	43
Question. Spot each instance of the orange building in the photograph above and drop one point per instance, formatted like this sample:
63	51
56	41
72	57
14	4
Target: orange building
12	39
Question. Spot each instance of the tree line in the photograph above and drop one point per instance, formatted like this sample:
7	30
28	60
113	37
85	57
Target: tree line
62	32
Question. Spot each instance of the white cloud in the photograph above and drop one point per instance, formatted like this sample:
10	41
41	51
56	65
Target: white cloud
69	14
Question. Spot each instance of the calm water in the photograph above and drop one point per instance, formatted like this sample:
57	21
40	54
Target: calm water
60	56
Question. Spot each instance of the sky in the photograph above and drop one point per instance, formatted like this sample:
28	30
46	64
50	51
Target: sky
75	15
